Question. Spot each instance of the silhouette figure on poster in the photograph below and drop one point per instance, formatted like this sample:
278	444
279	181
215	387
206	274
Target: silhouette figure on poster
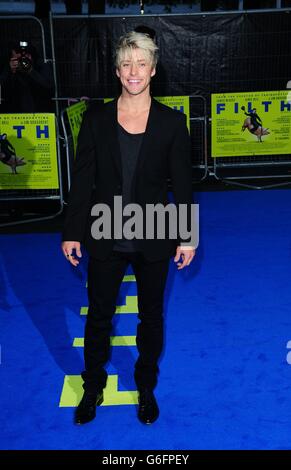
254	124
8	154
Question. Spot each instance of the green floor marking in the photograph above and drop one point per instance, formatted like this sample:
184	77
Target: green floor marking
127	278
129	307
72	392
114	341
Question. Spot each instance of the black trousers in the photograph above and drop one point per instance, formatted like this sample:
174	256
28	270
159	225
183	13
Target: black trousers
104	280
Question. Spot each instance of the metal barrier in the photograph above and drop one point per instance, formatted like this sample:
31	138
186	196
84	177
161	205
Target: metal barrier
198	135
211	52
201	53
236	170
240	154
264	44
30	29
17	184
70	140
26	28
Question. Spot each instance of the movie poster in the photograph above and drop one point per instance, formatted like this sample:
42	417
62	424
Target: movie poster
28	152
75	116
252	123
180	103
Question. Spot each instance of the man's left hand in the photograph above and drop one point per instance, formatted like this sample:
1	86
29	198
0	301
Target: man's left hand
187	253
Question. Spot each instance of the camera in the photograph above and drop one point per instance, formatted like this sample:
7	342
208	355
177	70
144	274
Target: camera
24	63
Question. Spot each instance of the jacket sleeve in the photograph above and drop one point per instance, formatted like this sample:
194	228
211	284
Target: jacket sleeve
181	171
83	177
42	76
5	75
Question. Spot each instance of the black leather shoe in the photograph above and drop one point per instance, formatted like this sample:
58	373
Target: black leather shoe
148	410
86	411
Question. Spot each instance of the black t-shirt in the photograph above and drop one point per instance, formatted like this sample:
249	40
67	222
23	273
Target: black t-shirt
130	145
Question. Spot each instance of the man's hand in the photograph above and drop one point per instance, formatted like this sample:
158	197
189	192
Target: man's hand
13	64
68	247
187	253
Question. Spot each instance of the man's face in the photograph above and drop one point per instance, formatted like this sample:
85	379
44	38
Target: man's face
17	55
135	72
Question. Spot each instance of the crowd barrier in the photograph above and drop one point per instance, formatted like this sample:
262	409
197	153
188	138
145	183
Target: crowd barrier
202	55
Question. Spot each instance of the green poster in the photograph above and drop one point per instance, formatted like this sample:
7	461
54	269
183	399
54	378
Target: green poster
75	115
251	123
28	152
180	103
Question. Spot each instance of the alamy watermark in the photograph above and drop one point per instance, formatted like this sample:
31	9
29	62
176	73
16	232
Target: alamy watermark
155	221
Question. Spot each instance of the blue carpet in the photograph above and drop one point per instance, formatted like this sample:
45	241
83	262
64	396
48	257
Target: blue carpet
225	381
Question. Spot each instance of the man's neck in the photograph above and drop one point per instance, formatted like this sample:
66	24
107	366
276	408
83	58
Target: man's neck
134	103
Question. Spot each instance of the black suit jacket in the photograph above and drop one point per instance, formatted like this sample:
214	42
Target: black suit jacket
97	174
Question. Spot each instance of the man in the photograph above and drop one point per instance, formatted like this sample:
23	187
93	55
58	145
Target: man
256	121
128	148
27	83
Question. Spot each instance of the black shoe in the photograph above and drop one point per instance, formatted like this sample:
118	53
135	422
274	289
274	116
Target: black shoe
86	411
148	410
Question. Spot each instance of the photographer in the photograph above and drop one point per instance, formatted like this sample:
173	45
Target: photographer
26	82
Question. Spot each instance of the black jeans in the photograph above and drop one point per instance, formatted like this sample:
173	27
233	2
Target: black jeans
104	279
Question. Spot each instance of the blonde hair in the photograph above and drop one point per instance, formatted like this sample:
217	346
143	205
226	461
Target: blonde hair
134	40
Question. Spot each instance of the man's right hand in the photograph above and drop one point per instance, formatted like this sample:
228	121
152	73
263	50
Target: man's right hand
67	249
13	64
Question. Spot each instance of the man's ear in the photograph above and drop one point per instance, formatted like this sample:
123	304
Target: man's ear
153	72
117	73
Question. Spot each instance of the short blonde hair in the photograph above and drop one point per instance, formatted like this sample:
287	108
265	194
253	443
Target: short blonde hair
134	40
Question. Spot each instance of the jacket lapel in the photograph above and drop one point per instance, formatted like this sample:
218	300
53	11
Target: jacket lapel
111	131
